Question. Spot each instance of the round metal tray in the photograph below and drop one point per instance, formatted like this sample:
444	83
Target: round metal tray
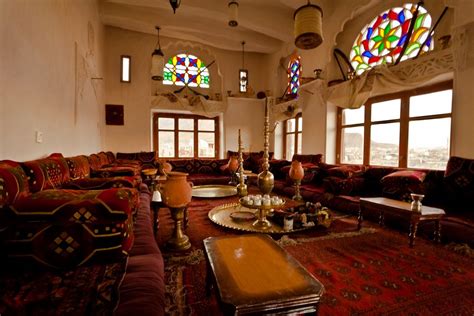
221	215
213	191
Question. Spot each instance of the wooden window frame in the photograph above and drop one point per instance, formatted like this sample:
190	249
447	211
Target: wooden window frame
176	131
404	120
296	132
122	57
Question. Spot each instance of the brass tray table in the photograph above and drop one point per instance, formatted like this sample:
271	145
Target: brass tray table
221	215
214	191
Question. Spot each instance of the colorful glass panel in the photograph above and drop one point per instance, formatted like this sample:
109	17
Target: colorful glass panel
184	69
294	74
381	41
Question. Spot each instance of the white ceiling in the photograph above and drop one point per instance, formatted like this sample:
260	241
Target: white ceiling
263	24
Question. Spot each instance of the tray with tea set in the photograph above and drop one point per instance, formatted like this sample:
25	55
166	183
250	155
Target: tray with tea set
265	202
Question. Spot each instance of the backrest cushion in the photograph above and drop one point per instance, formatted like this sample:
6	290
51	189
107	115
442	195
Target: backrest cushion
147	159
104	159
400	184
314	159
94	162
79	167
212	166
13	182
46	173
346	171
183	165
110	156
459	180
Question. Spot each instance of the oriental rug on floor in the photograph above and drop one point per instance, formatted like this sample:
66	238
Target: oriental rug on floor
371	272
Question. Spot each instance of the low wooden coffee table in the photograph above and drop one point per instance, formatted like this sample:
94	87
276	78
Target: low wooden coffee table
254	275
403	209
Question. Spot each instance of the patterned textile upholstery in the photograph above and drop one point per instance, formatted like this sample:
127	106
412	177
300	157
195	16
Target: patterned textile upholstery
46	173
66	228
103	183
182	165
146	159
209	165
13	182
79	167
314	159
400	184
459	180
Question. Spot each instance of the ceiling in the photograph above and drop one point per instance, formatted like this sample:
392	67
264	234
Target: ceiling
265	25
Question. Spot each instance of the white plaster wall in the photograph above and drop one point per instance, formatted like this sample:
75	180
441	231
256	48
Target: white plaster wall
249	116
37	66
135	96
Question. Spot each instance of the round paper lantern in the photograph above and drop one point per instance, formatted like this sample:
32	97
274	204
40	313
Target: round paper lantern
308	26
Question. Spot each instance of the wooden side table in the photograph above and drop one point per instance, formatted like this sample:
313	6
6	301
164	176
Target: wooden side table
254	275
403	209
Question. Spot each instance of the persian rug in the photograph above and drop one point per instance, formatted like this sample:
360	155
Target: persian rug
85	290
367	272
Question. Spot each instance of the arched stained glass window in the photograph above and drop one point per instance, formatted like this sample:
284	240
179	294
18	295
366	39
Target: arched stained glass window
294	74
382	40
184	69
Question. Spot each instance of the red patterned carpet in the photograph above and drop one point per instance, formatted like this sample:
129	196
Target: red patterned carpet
372	272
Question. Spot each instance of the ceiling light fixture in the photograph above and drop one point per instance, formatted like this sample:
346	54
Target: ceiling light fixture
308	26
175	4
243	74
233	13
157	60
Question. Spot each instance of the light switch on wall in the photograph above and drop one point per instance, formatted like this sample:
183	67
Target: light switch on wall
39	137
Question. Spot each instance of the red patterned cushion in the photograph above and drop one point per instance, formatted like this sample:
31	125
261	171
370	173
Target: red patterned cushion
65	228
182	165
400	184
147	159
209	165
47	173
110	157
104	159
13	182
459	180
103	183
346	171
276	166
116	171
341	186
314	159
78	167
94	161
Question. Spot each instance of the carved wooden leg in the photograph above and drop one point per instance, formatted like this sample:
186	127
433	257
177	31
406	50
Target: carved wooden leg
381	218
359	219
437	234
208	279
413	229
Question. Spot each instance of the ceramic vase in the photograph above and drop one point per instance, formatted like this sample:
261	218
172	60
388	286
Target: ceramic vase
176	190
296	170
165	167
233	164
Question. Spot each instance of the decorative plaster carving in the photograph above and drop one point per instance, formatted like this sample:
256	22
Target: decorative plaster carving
196	104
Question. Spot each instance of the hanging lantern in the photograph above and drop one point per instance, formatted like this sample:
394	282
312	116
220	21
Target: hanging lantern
243	74
233	13
157	60
175	4
308	26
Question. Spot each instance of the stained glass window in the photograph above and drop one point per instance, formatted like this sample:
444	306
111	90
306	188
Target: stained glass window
382	40
294	74
184	69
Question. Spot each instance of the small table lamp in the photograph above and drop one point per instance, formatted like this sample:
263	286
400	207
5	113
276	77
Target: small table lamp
297	174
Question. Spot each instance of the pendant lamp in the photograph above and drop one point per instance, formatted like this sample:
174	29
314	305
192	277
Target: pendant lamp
175	4
233	8
243	74
157	60
308	26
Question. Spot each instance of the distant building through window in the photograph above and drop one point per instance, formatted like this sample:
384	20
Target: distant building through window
382	40
186	70
294	75
409	129
185	136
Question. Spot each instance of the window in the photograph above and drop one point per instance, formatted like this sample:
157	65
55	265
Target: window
382	40
293	136
185	136
410	129
186	70
126	64
294	74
